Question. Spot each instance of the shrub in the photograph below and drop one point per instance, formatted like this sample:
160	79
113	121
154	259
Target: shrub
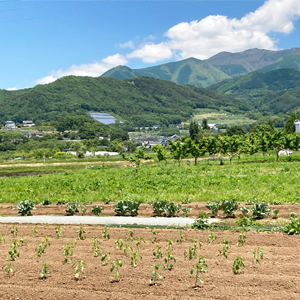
124	206
46	201
260	210
96	210
165	207
293	227
229	207
72	208
25	207
213	206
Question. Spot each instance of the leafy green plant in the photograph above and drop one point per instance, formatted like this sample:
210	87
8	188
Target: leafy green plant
41	248
260	210
105	258
244	222
242	239
187	200
182	237
201	266
44	271
22	241
185	211
229	207
72	208
35	233
46	201
213	206
169	260
8	269
211	238
13	251
191	252
139	242
127	206
2	239
14	231
293	214
97	248
68	251
225	245
96	210
129	235
201	223
83	209
78	266
154	236
157	252
258	255
134	258
245	211
275	213
105	233
115	265
293	227
58	231
81	233
154	275
166	208
237	265
25	207
119	244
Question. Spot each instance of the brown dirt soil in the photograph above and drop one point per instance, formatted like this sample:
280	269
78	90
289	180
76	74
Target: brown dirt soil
146	210
276	277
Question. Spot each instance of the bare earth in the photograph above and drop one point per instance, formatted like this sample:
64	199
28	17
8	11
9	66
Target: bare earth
276	277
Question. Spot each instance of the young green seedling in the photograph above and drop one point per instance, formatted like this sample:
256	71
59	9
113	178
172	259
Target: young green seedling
134	258
83	209
237	265
139	243
13	251
119	244
211	238
185	211
81	233
191	252
22	241
127	247
169	260
157	252
275	214
35	233
182	237
58	231
257	255
129	235
105	233
154	275
201	266
105	258
170	245
224	248
97	248
78	268
68	252
154	237
242	239
8	269
44	271
2	239
115	265
14	231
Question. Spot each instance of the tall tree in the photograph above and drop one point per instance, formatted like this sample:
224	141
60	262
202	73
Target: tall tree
194	130
179	150
205	125
289	126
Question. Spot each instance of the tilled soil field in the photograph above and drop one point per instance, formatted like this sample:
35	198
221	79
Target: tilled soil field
275	277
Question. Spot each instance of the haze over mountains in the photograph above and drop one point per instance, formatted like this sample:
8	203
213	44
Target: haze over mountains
224	65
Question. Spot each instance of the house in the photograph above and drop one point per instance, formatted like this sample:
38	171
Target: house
10	125
35	133
174	137
213	128
28	124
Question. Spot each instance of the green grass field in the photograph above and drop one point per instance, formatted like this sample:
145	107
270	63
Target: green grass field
209	181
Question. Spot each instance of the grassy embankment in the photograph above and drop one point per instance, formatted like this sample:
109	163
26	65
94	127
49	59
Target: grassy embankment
209	181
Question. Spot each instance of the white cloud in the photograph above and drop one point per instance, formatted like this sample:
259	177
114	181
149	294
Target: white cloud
216	33
151	53
92	70
128	44
12	89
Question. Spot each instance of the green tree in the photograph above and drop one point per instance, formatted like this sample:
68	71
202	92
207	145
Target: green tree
194	130
205	125
196	150
230	145
160	152
179	150
289	126
235	130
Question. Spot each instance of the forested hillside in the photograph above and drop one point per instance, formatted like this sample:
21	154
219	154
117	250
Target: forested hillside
139	101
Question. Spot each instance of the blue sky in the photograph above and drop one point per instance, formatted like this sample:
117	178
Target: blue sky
44	40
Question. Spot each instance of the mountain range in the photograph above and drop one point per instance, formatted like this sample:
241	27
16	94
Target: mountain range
222	66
